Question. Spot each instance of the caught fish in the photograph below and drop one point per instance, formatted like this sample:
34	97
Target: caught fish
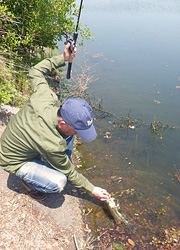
114	211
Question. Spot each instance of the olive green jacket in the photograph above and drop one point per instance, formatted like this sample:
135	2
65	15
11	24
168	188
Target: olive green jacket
34	130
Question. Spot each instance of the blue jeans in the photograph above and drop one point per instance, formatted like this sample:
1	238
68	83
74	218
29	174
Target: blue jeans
40	176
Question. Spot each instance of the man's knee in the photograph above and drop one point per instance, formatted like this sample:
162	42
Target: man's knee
61	182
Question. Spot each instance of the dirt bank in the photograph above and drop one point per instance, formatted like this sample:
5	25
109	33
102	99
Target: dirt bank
55	223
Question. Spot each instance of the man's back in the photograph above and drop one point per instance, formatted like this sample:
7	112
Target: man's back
33	129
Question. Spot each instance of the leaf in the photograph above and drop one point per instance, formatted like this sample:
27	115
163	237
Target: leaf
117	246
156	101
108	179
131	242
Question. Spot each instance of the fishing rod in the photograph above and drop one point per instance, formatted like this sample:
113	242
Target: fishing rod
72	42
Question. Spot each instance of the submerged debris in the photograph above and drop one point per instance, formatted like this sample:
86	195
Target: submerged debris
107	135
177	174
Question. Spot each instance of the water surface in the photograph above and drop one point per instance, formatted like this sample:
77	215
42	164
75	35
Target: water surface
135	55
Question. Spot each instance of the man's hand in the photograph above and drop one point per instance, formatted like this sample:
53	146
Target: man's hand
100	193
68	55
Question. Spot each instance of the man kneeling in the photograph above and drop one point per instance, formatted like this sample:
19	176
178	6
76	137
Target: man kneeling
44	128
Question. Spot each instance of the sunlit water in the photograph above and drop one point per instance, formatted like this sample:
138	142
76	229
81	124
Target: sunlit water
135	56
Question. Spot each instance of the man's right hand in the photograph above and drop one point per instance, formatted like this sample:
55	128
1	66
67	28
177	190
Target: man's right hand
68	55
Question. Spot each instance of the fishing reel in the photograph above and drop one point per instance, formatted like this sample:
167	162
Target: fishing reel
71	48
70	40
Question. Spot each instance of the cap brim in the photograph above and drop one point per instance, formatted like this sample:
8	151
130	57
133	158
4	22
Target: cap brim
87	134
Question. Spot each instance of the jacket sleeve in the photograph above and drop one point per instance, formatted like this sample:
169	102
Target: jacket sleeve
61	162
53	147
45	67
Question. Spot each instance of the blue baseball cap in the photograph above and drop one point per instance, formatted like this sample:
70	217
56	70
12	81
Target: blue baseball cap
77	113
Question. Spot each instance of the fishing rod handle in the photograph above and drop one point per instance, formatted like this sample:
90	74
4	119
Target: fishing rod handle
68	76
72	47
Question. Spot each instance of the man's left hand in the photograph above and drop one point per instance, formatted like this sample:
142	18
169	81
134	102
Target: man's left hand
101	193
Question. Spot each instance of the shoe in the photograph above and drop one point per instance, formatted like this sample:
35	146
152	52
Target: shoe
37	195
34	194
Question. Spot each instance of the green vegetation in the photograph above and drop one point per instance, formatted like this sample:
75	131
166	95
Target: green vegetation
27	27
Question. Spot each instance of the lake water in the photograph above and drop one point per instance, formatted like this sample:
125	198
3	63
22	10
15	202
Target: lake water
135	60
